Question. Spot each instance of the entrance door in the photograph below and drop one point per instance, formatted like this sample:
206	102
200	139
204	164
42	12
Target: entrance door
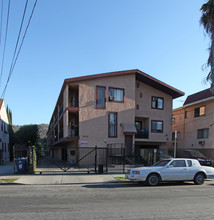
64	154
129	144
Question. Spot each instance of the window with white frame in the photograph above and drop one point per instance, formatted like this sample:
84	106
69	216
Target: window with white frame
116	95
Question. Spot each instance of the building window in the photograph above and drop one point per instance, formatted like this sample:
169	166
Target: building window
116	95
157	102
101	97
138	85
141	95
185	114
157	126
137	107
138	125
200	111
203	133
112	122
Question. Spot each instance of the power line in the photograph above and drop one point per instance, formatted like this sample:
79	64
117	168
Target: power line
5	41
18	36
1	20
13	65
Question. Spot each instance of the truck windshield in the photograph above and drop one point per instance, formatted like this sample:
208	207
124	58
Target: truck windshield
161	163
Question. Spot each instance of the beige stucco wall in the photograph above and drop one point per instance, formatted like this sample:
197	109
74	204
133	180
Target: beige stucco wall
145	110
188	127
93	123
4	136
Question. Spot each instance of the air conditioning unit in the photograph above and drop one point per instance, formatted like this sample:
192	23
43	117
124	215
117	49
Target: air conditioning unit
201	142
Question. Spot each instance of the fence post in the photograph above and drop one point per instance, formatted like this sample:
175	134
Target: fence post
95	158
107	159
33	160
14	157
124	159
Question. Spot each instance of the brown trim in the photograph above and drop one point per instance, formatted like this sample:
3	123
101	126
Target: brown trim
97	97
117	89
64	140
72	109
162	126
140	76
129	133
157	98
109	124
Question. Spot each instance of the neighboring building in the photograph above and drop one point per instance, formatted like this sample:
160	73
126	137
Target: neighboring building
194	123
126	107
4	134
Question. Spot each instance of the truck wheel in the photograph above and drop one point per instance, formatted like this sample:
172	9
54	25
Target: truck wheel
199	179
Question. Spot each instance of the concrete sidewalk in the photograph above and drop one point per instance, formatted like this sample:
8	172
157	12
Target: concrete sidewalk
63	179
7	172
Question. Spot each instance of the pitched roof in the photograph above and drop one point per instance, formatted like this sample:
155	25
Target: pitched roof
1	101
198	96
141	76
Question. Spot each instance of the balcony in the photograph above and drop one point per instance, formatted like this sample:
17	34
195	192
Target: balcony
143	133
61	134
74	131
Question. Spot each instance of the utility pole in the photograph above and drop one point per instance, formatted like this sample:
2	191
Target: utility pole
175	143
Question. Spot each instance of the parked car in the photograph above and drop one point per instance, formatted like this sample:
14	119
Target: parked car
195	154
161	155
174	169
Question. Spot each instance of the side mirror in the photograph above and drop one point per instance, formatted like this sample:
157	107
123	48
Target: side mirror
170	166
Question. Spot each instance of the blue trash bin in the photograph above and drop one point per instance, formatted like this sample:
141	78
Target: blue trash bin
21	164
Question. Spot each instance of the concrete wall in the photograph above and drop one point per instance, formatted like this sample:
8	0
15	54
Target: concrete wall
93	123
145	110
188	126
4	136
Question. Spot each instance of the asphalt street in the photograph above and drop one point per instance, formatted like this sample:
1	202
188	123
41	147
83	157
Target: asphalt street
107	201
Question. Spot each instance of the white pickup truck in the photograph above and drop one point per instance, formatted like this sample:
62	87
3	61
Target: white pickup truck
172	169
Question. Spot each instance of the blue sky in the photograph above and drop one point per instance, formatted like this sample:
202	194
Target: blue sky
70	38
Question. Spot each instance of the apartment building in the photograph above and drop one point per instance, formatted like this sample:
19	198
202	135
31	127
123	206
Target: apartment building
194	123
4	134
128	107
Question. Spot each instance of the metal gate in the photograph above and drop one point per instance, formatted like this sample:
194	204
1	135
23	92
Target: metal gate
115	158
88	160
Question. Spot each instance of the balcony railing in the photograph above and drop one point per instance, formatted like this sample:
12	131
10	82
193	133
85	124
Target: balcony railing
143	133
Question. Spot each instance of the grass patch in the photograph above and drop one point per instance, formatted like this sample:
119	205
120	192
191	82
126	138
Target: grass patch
8	180
119	178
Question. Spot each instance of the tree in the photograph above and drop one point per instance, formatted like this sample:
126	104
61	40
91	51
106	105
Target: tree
207	20
27	134
11	133
9	116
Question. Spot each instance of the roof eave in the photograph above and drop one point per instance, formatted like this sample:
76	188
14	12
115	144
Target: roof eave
199	101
